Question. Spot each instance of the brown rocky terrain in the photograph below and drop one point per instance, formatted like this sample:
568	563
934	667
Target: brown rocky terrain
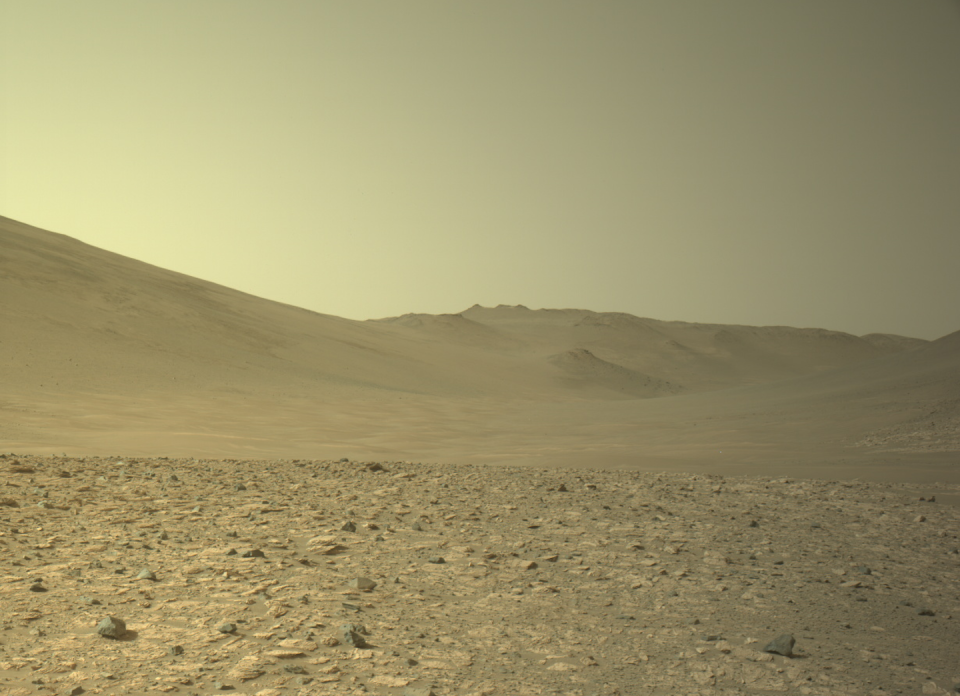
481	581
622	505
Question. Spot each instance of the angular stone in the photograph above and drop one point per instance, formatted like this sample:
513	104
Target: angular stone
363	584
781	645
111	627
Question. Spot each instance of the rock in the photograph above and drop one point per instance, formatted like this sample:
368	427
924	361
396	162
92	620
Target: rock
781	645
926	611
375	466
417	527
351	634
348	527
252	553
9	502
418	691
436	559
37	587
562	488
75	691
175	650
227	627
363	584
146	574
111	627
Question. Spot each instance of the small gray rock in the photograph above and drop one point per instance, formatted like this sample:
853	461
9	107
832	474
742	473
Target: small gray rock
925	611
111	627
227	627
252	553
175	650
363	584
146	574
417	527
37	587
351	634
436	559
781	645
348	527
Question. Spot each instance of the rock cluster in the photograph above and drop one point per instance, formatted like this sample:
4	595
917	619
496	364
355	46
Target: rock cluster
140	576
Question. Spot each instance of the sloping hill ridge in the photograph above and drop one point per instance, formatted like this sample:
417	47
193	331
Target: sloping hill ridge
76	317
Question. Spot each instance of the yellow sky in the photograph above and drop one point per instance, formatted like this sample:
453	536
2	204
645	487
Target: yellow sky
744	161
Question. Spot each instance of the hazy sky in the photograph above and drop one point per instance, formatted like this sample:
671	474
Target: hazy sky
747	161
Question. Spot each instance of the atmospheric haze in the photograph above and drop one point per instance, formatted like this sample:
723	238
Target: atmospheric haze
744	162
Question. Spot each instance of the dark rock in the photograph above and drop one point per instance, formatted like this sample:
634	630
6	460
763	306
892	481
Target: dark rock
227	627
252	553
175	650
37	587
781	645
562	488
925	611
348	527
436	559
417	527
375	466
351	634
111	627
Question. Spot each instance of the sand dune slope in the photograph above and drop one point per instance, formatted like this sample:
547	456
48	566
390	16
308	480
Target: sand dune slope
104	354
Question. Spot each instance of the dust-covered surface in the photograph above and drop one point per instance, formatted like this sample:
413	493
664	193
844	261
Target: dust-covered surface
487	580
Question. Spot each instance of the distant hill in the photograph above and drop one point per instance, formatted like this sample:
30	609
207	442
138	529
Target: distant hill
100	351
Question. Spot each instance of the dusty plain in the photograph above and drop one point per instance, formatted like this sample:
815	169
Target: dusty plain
621	505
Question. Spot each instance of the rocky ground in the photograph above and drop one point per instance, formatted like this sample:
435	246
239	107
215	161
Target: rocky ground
288	578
